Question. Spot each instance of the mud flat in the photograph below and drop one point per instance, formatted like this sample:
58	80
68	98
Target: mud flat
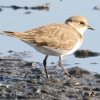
20	79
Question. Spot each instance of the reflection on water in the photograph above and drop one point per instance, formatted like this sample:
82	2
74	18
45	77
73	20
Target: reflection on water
15	20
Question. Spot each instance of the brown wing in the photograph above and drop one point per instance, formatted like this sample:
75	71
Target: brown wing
55	35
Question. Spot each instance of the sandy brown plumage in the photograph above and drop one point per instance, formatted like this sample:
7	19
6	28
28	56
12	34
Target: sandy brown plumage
55	39
54	35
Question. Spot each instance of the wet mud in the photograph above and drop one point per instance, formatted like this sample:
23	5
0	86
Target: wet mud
28	9
20	79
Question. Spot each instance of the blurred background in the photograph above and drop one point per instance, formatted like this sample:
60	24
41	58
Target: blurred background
21	15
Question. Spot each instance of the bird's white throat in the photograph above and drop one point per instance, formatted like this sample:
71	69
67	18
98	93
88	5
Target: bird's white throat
81	31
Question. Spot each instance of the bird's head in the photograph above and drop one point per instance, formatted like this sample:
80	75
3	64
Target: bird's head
79	23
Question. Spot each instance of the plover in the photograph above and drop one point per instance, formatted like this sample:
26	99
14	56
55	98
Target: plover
55	39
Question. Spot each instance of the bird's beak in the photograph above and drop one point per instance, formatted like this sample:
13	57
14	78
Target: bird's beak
89	27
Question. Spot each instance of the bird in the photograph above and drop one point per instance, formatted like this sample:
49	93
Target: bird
55	39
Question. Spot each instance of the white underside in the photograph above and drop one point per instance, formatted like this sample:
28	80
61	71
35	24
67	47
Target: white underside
56	52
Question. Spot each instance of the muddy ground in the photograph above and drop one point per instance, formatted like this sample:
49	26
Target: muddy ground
20	80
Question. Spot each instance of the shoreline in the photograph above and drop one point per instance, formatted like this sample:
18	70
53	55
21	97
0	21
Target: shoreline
20	79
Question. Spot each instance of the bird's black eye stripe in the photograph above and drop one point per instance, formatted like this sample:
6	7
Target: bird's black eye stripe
70	20
82	23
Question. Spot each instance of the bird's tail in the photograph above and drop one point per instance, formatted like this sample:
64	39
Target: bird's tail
9	33
24	36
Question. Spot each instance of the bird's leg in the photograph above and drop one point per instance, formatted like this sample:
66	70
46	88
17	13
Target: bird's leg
45	63
61	65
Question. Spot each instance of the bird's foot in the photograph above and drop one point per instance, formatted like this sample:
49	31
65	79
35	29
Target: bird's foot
65	71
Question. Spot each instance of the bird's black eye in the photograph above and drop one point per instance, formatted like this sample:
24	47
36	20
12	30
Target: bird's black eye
82	23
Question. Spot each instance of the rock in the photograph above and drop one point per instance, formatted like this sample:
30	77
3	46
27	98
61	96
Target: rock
97	7
85	53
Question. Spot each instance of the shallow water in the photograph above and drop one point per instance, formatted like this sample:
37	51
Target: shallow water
11	20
